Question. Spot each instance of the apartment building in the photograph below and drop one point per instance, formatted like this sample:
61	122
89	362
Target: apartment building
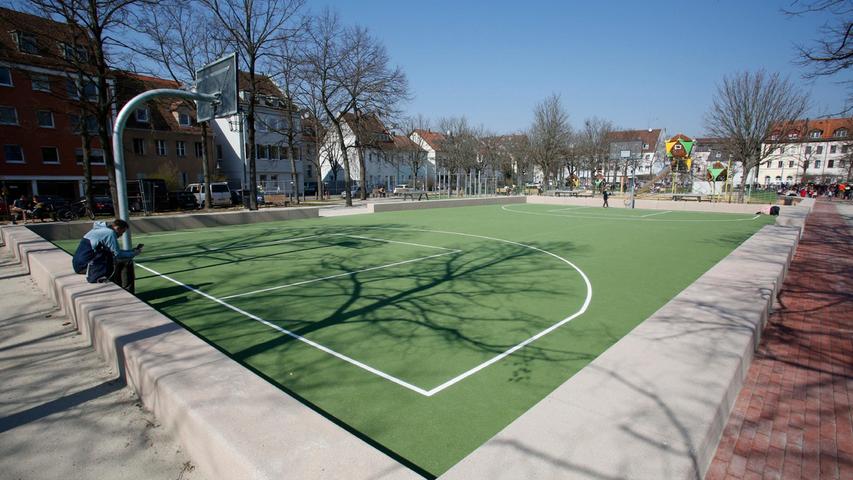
44	107
817	151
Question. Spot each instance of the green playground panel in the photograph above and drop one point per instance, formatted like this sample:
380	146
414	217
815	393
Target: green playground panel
431	299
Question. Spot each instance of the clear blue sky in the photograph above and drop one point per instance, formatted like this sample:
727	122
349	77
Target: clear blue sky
638	64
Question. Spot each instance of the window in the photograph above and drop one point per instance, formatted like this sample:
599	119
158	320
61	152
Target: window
805	164
161	148
260	151
91	123
790	163
8	116
181	148
820	149
845	148
198	150
142	115
90	91
50	155
840	133
833	148
96	156
6	77
273	150
184	119
817	164
830	164
219	152
308	171
41	83
74	52
72	90
779	165
793	134
27	43
13	154
815	134
139	146
808	150
45	118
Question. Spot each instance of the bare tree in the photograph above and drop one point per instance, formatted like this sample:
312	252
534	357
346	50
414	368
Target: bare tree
549	136
373	86
751	110
595	146
832	53
175	38
255	29
103	22
461	148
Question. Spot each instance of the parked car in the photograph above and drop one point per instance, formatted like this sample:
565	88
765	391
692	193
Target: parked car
310	188
355	192
220	194
182	201
102	205
402	189
242	199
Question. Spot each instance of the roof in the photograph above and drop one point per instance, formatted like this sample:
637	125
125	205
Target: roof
264	84
649	137
369	130
402	142
49	35
433	139
827	127
162	110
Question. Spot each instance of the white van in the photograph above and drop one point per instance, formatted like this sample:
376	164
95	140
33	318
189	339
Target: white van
220	194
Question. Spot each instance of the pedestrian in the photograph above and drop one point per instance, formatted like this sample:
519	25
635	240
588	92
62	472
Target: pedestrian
20	206
606	196
99	258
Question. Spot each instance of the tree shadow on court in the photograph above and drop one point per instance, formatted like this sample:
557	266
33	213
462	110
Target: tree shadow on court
445	301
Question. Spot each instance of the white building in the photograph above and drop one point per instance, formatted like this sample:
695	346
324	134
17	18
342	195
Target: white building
272	114
389	159
809	151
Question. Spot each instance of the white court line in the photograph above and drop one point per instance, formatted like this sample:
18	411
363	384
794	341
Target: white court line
293	335
232	247
452	381
656	213
305	282
633	217
576	207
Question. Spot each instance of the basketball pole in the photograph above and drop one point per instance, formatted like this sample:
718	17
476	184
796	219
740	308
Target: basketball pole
118	146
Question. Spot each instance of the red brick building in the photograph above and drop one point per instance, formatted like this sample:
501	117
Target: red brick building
40	116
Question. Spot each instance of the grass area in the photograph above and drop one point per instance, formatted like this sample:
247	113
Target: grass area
427	332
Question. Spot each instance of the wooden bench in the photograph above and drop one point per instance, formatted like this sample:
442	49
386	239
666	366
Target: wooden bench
412	193
572	193
686	196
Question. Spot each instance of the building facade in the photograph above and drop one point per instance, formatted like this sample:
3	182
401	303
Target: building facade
43	108
818	151
273	115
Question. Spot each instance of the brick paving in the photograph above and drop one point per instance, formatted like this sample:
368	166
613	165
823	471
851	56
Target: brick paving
792	419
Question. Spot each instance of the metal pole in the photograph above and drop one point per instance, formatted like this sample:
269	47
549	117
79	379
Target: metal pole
118	149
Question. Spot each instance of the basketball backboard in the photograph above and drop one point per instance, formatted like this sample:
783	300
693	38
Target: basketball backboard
218	78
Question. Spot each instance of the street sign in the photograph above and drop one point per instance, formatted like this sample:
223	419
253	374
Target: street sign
218	78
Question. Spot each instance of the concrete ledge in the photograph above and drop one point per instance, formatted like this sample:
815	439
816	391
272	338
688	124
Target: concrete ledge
461	202
649	204
232	423
62	231
653	405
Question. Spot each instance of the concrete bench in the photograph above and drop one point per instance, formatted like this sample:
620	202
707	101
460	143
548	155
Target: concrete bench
572	193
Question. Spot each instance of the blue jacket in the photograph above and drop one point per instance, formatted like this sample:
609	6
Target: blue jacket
96	252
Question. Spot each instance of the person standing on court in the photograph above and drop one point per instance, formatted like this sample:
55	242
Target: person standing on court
606	195
99	258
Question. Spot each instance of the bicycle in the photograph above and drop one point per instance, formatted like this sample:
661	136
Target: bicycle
74	211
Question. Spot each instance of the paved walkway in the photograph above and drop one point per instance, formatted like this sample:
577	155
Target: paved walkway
792	419
63	411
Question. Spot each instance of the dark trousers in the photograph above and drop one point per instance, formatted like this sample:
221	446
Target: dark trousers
124	275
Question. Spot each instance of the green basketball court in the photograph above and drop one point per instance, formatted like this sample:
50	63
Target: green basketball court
426	332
